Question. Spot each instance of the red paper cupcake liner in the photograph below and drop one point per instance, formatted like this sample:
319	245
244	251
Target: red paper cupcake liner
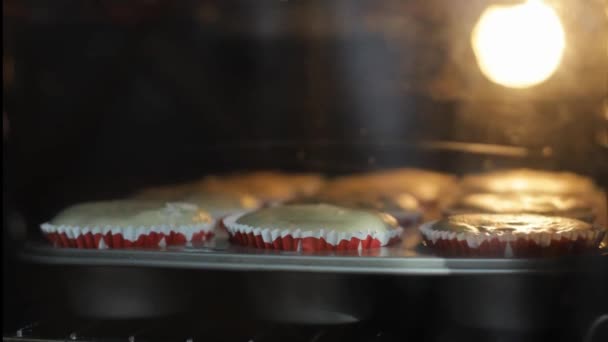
525	246
297	240
520	248
129	237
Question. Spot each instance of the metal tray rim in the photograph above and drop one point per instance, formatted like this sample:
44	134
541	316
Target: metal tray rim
41	253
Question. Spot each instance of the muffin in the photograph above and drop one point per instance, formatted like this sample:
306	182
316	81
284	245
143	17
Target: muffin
539	182
304	184
268	186
506	235
518	203
312	227
128	223
431	189
528	181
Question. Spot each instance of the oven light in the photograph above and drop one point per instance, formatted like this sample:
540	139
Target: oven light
518	46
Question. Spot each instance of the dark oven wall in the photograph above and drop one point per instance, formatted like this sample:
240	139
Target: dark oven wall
106	97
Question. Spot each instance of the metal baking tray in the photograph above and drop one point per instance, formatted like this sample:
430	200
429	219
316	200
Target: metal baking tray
297	287
407	258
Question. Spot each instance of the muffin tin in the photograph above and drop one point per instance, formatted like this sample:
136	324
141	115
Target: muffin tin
407	258
320	287
290	287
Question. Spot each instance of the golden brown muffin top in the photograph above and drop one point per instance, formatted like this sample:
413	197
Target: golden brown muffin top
509	203
266	185
511	223
309	217
424	185
528	181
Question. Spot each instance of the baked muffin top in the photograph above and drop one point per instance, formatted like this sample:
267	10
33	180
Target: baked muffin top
127	213
510	203
308	217
265	185
528	181
509	223
424	185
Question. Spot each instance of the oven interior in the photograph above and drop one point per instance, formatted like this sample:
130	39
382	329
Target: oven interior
104	98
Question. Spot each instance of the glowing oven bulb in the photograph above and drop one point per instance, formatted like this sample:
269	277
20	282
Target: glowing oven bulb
518	46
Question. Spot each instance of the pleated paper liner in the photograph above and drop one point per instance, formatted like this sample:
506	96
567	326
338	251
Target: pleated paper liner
115	237
307	241
220	229
509	245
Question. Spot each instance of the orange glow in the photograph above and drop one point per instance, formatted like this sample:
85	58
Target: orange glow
518	46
